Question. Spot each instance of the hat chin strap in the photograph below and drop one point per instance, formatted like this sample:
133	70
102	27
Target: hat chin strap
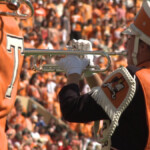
134	54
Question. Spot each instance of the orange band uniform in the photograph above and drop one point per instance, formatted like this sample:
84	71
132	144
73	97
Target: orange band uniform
143	76
8	26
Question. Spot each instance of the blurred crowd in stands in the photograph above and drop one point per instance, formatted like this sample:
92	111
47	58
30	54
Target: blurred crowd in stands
54	24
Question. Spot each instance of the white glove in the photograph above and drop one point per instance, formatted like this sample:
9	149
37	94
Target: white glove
72	64
84	45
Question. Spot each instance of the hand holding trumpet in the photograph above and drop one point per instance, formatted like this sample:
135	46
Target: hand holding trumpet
74	64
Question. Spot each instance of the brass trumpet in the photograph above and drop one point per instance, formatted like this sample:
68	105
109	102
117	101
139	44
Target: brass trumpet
14	6
55	68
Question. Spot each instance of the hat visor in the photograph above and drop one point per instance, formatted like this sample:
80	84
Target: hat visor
129	31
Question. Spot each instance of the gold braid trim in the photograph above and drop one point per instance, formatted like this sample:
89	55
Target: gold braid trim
114	113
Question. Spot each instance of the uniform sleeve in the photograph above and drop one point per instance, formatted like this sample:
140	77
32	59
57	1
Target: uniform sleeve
132	131
79	108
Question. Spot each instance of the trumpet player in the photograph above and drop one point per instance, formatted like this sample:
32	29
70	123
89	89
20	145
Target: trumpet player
123	98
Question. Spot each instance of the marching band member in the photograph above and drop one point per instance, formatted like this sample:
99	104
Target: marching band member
11	59
123	97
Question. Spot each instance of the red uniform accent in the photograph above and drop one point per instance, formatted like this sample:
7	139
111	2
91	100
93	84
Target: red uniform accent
143	76
9	33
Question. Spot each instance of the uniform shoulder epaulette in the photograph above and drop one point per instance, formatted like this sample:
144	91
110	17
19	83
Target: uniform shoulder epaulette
115	94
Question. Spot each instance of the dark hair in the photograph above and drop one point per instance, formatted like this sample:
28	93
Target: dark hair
32	79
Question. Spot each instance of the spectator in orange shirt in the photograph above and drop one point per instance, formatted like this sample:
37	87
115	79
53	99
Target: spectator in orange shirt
120	62
32	89
22	89
129	16
13	112
50	4
87	5
76	25
71	6
43	93
18	118
40	13
87	30
97	10
28	122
